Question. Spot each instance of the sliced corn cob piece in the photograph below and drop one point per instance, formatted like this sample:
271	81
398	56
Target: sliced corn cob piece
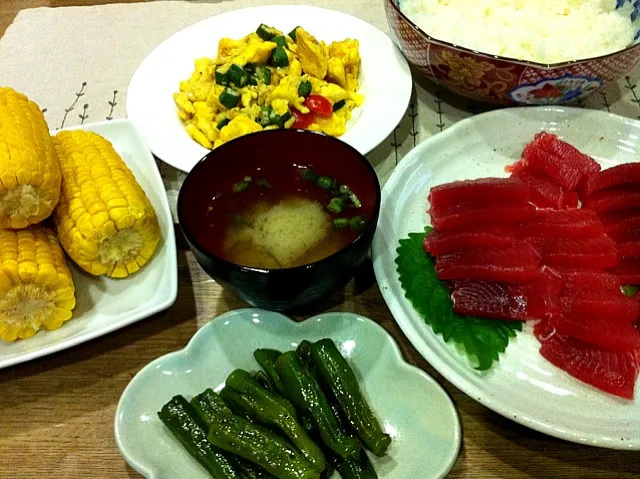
36	288
29	171
105	222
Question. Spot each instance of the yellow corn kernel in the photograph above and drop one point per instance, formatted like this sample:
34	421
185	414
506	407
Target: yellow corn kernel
36	287
104	219
29	171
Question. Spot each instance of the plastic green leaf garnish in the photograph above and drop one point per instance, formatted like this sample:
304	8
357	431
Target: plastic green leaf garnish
482	339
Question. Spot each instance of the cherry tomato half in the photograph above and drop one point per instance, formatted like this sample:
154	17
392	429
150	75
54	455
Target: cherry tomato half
319	105
302	120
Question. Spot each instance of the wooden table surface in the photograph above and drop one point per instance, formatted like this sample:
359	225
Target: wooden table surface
56	413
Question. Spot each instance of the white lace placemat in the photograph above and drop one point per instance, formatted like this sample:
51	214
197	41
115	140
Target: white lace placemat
76	63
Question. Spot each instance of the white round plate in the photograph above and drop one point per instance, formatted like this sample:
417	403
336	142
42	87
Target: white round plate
522	386
385	76
414	409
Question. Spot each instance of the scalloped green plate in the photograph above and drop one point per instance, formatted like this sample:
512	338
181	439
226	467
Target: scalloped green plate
414	409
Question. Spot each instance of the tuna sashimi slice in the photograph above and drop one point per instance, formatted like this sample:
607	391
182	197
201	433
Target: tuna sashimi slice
545	191
548	163
616	307
559	160
614	176
510	264
562	224
483	191
438	243
629	249
467	216
621	236
622	226
584	253
518	301
605	332
586	282
613	199
569	153
543	329
628	271
571	200
614	372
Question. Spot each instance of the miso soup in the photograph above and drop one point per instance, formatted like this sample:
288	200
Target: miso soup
282	217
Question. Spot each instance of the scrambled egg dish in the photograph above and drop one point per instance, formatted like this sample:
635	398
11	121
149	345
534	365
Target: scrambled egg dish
269	80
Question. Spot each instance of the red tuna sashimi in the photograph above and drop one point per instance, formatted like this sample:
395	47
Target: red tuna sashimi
438	243
483	191
543	329
615	176
613	199
518	301
587	282
562	224
584	253
629	249
607	332
614	372
568	153
616	306
621	236
467	216
571	200
628	271
545	191
510	264
622	226
559	160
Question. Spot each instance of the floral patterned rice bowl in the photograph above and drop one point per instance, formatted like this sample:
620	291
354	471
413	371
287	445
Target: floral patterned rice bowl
506	81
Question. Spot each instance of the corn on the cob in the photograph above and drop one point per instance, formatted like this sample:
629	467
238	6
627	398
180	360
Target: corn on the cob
36	288
29	172
105	222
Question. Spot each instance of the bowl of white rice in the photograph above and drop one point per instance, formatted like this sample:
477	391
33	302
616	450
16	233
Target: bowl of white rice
532	52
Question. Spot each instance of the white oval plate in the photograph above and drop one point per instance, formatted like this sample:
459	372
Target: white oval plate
385	76
522	386
414	409
105	304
